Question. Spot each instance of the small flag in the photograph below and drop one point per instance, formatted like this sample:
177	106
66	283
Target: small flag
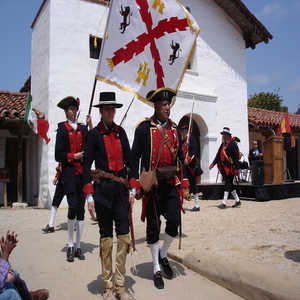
39	127
148	45
284	125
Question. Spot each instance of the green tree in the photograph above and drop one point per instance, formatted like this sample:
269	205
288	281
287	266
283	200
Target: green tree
269	101
298	111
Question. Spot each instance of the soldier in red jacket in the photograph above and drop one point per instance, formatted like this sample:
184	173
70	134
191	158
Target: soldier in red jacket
108	147
157	147
69	152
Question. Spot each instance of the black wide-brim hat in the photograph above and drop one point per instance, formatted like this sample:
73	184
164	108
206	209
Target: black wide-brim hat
225	130
162	94
68	101
108	98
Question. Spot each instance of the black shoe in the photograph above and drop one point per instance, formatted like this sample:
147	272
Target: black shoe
222	205
195	208
236	204
48	229
158	281
79	254
70	254
165	265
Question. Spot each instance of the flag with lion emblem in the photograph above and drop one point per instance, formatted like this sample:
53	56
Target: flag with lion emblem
147	45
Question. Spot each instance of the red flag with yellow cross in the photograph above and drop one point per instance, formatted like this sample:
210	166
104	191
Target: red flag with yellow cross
147	45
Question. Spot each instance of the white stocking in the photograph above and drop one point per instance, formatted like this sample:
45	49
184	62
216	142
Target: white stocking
79	229
154	248
52	216
196	200
235	195
225	197
71	226
166	245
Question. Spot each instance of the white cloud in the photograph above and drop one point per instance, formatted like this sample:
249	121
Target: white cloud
276	10
294	86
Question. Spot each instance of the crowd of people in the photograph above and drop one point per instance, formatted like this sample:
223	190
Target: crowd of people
161	169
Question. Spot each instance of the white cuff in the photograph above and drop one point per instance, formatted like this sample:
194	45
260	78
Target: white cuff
89	198
133	191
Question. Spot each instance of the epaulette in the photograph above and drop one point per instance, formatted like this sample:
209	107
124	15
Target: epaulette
143	120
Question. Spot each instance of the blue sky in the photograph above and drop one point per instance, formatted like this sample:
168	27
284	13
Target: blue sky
270	66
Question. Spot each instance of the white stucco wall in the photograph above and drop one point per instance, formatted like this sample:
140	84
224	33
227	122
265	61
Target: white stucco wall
61	66
221	65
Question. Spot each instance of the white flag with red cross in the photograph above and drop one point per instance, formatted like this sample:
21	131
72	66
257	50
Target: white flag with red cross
147	45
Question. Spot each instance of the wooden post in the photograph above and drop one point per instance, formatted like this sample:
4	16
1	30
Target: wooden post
4	177
4	194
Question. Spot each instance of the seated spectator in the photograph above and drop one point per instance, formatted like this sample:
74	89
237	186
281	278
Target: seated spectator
12	287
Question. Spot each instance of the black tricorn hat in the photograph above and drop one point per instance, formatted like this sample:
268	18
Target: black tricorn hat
162	94
185	126
68	101
108	98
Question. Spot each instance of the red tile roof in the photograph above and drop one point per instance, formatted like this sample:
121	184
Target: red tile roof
259	116
13	104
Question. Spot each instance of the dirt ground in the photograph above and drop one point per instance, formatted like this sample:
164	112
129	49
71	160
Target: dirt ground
260	232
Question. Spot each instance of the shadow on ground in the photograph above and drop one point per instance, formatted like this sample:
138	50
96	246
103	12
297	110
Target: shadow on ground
294	255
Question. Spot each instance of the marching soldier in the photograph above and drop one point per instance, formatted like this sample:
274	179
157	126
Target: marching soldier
69	152
57	199
157	144
189	148
227	160
108	146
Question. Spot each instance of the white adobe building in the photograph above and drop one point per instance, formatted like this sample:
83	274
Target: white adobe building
216	80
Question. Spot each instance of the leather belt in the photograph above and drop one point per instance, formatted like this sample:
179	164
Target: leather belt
96	174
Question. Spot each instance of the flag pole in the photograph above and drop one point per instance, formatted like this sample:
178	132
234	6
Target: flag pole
22	132
92	96
123	120
89	111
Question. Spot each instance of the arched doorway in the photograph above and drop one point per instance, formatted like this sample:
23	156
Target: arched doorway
196	133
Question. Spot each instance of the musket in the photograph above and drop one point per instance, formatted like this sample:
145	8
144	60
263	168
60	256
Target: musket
131	228
181	194
130	206
180	232
123	120
78	114
189	132
238	184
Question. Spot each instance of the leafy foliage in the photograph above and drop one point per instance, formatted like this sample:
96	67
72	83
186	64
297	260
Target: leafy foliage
269	101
